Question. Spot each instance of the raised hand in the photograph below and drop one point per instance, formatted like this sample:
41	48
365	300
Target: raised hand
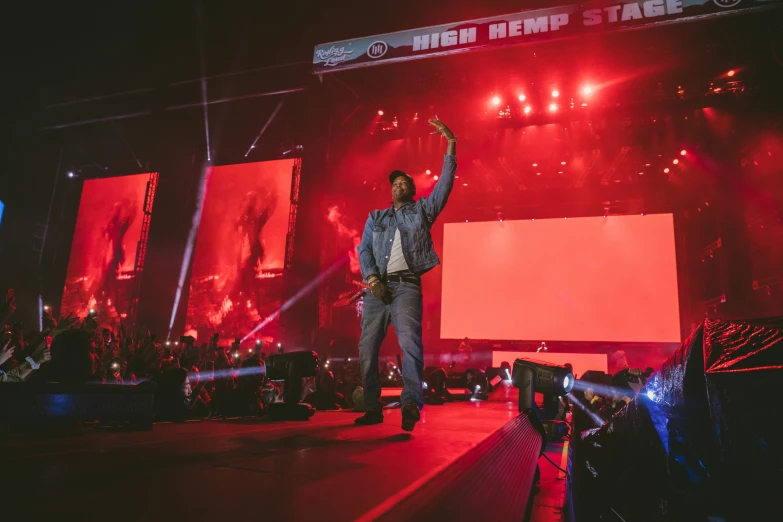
441	128
6	352
65	323
42	353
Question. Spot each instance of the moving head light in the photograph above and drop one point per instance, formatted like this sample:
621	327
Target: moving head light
532	376
291	367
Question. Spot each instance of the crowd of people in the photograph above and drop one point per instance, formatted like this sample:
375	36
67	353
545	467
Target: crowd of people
191	380
206	380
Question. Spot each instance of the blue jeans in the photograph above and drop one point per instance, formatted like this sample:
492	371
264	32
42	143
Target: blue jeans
404	313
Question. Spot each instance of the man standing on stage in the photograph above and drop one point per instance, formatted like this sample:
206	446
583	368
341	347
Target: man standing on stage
396	249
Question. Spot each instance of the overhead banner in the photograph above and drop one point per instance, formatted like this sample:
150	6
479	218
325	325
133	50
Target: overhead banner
520	28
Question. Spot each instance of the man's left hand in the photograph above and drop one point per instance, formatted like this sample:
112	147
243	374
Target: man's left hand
441	128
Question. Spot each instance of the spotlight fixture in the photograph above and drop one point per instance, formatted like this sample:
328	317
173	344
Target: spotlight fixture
587	90
291	367
666	170
428	172
70	174
380	113
683	152
552	107
552	381
555	93
522	97
731	73
528	109
675	161
496	100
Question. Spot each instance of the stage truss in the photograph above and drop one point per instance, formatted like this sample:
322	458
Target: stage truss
141	250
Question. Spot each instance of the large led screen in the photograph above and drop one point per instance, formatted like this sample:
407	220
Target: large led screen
236	279
599	279
102	267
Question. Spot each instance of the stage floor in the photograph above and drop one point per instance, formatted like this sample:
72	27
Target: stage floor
323	469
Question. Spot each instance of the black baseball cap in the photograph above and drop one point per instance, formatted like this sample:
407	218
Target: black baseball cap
397	173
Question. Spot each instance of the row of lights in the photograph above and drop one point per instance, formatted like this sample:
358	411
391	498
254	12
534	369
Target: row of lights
666	170
586	91
496	100
675	161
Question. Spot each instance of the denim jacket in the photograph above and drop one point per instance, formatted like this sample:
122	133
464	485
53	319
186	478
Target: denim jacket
414	220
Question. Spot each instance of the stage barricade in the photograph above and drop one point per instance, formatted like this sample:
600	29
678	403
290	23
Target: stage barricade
700	440
44	404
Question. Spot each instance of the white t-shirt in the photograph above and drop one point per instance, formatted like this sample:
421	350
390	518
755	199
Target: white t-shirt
397	261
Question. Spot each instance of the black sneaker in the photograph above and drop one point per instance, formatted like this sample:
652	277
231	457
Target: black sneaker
370	418
410	416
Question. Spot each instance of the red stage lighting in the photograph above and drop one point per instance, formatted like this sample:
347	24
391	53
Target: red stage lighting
562	162
675	161
496	100
436	178
683	152
666	170
380	113
552	107
535	164
464	184
428	172
528	109
555	94
522	97
730	73
587	90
